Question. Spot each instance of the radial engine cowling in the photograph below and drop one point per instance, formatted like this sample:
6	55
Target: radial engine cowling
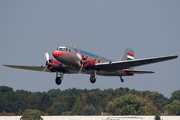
87	64
54	65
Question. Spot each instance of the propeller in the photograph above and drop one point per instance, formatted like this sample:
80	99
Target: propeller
80	58
82	62
47	58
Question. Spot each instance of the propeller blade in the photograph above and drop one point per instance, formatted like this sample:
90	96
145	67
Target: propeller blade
80	70
47	56
44	70
79	56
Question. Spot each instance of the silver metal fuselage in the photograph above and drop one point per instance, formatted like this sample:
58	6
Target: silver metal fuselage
71	62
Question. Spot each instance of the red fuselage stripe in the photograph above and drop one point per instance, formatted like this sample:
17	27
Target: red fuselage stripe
58	53
127	73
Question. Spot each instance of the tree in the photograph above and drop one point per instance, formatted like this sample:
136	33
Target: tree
175	96
92	98
45	102
89	110
7	101
76	106
4	89
57	108
157	117
21	98
70	101
158	100
32	101
54	92
129	105
174	108
30	114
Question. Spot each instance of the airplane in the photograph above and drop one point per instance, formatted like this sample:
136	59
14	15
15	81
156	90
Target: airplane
71	60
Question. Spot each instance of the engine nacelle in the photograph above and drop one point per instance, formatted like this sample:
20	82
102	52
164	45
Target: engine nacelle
87	64
54	65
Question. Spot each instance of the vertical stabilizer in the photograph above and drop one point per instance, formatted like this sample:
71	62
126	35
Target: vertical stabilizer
127	55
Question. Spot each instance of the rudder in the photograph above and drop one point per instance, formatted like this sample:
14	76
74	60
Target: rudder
127	55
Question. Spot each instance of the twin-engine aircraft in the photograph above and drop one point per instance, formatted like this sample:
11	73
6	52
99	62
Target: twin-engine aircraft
71	60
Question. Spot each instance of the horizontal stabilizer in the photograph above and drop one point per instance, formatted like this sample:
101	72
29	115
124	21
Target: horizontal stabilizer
137	71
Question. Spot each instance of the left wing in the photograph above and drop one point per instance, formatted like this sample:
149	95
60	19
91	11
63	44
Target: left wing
120	65
129	71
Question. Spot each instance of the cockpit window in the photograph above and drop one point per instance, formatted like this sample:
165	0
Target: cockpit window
62	48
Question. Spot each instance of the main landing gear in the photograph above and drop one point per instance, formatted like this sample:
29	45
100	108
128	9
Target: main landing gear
59	77
122	80
93	77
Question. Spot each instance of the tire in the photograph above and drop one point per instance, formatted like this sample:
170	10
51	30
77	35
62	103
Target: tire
92	79
58	80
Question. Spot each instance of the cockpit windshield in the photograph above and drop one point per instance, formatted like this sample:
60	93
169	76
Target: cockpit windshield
61	48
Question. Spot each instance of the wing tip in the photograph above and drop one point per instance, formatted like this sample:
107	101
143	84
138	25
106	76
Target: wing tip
176	56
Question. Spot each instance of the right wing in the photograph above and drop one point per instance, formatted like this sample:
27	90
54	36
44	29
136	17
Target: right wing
66	69
120	65
35	68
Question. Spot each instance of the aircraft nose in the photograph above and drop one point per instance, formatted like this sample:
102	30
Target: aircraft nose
56	54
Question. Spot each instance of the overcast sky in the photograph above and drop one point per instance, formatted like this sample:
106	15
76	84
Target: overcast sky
29	28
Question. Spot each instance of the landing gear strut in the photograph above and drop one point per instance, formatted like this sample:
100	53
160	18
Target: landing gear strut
122	80
59	77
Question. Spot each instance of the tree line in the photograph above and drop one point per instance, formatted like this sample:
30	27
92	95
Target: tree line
120	101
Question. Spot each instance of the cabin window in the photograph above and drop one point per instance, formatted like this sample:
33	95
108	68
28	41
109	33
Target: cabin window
69	50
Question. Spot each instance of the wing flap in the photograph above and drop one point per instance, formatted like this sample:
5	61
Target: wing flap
120	65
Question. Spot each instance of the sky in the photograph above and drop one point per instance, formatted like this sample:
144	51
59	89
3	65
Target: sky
28	29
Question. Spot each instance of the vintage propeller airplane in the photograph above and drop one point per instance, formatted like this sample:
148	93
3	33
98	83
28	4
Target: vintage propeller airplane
71	60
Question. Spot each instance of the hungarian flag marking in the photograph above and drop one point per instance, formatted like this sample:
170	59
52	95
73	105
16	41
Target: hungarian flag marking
130	56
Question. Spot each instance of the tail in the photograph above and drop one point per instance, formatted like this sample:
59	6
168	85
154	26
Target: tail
127	55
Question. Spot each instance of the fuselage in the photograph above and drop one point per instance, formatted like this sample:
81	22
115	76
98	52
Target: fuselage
68	56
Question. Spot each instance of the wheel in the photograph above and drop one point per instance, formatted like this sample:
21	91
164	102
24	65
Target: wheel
92	79
122	80
58	80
